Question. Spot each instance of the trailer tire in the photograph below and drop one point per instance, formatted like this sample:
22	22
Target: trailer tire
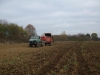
45	44
38	45
42	44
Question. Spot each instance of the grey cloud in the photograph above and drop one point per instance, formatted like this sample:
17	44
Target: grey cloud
72	16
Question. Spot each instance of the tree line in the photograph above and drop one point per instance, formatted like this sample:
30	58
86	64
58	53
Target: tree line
77	37
11	32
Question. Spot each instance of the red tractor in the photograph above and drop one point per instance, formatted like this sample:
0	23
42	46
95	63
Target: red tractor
47	38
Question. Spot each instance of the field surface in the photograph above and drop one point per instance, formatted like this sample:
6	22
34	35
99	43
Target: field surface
62	58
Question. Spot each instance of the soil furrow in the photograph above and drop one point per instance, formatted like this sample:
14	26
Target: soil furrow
82	68
62	58
92	62
53	62
51	66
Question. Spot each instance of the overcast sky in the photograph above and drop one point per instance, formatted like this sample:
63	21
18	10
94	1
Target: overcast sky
55	16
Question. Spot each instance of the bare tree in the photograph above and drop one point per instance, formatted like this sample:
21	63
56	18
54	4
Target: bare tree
3	21
63	33
30	30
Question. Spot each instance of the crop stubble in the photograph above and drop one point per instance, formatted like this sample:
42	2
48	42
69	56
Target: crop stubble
63	58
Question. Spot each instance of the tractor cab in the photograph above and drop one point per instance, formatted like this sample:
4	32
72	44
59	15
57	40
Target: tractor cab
35	40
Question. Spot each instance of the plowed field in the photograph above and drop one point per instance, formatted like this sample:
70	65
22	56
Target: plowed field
62	58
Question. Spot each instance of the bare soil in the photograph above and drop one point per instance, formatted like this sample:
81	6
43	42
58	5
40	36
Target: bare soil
62	58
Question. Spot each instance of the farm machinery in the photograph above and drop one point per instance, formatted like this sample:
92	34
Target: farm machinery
40	41
36	41
47	38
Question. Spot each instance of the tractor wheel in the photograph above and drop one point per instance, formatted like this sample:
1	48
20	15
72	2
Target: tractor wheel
30	45
35	45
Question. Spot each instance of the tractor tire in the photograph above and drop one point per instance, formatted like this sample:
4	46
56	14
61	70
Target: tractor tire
30	44
35	45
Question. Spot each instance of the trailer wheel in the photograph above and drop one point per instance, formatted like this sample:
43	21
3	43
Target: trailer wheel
50	44
45	44
42	44
38	45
